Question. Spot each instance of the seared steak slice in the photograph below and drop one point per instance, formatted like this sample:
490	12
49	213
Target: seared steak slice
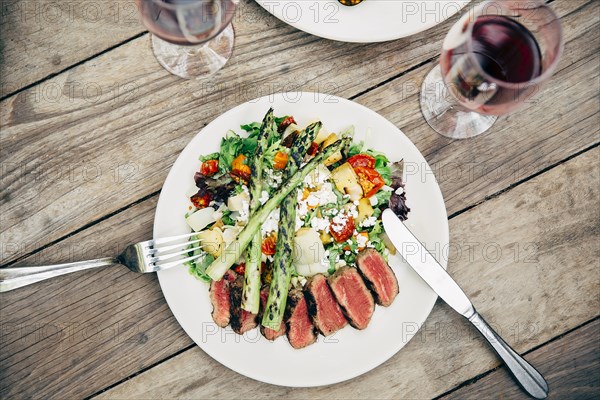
300	330
269	333
353	296
378	276
241	320
323	308
219	298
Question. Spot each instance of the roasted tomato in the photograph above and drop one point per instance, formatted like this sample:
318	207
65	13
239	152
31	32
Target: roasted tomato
369	179
268	245
240	269
201	200
362	160
285	123
313	149
280	160
342	231
209	167
240	170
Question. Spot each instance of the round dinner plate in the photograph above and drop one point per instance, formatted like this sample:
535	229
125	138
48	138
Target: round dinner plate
349	352
368	22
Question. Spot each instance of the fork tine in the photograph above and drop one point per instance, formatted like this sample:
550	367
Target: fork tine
171	255
174	246
179	262
171	238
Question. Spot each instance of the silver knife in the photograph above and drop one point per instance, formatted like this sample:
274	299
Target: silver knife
421	260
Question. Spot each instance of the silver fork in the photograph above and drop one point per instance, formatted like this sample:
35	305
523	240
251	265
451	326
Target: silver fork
149	256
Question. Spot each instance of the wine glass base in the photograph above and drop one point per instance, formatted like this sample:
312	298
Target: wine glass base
443	114
192	62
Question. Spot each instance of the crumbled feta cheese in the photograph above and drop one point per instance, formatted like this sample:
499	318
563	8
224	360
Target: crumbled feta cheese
264	196
361	241
369	244
312	200
319	224
387	188
352	210
325	194
373	200
340	264
368	222
339	222
302	209
355	202
400	190
347	252
271	224
244	213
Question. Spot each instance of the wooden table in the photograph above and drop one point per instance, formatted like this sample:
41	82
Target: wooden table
90	125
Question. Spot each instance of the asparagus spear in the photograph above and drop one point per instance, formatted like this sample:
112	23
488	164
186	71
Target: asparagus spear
251	291
282	273
232	253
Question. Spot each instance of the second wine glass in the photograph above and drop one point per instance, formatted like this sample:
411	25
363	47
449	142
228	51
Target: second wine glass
190	38
493	59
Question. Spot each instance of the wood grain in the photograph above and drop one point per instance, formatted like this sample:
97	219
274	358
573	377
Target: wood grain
530	295
43	37
554	293
72	336
71	161
108	148
571	366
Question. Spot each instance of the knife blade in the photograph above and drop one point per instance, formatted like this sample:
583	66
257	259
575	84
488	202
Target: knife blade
423	262
428	268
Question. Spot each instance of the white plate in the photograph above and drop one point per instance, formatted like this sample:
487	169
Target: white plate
349	352
368	22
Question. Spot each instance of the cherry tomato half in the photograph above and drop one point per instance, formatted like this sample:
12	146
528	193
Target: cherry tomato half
268	245
362	160
240	269
209	167
285	123
313	149
341	233
200	200
369	179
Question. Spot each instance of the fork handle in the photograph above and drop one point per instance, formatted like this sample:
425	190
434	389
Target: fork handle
13	278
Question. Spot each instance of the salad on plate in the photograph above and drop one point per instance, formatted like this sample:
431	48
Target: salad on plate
288	231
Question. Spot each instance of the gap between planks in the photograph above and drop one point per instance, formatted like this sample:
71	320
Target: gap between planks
464	383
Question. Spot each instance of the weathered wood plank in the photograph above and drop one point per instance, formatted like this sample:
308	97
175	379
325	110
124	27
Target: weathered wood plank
529	261
554	216
72	336
43	37
55	154
571	365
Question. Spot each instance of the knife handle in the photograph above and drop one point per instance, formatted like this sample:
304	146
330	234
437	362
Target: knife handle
523	372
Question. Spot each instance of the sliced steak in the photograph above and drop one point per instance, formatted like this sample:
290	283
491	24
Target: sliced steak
219	298
323	308
269	333
378	276
353	296
241	320
300	330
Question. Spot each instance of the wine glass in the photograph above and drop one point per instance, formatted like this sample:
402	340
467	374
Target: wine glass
190	38
493	60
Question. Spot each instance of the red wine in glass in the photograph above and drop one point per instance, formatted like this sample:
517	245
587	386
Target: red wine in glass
493	60
505	51
190	38
186	22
